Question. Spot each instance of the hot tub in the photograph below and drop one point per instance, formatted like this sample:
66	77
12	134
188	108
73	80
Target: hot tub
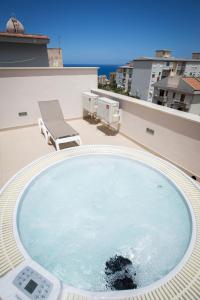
83	211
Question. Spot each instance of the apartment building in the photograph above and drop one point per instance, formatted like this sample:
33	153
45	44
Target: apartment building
112	78
102	79
19	49
182	93
148	70
124	76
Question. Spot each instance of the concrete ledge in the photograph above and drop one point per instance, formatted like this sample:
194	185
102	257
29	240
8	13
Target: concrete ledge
46	68
163	109
175	135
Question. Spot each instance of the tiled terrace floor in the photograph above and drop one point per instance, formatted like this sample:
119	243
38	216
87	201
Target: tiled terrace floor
19	147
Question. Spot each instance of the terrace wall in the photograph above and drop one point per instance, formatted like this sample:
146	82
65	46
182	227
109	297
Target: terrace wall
176	134
22	88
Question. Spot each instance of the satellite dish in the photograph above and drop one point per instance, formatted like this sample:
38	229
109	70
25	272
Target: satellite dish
14	26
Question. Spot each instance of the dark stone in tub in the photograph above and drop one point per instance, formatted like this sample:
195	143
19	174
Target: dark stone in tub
125	283
120	274
116	263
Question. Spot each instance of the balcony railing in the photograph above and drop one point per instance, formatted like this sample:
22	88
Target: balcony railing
173	103
163	99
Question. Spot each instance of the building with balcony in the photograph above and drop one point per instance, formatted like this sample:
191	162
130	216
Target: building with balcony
182	93
148	70
112	78
124	76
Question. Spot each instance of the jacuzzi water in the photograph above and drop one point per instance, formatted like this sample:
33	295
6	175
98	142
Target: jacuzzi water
78	213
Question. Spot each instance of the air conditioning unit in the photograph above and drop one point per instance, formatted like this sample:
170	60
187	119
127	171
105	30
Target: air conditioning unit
108	110
90	102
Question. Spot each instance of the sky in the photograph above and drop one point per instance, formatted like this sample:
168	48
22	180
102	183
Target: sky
110	31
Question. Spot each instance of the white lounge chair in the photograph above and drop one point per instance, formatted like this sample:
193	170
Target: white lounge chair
53	125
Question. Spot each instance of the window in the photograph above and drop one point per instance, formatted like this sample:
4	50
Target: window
182	98
174	94
153	75
166	93
167	63
162	93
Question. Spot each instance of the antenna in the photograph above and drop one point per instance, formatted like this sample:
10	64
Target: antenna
13	15
59	41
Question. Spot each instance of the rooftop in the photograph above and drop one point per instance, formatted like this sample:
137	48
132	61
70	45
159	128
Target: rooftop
193	82
126	67
15	33
24	35
146	58
154	127
185	84
23	38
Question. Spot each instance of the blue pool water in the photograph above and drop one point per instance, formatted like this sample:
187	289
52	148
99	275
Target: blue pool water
77	214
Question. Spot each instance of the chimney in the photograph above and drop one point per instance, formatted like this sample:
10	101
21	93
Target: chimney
196	55
163	53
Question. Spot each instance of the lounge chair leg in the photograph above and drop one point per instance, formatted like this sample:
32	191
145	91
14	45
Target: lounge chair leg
57	146
79	141
46	135
40	124
48	139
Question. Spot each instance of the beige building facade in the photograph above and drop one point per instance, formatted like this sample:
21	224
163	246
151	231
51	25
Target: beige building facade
55	57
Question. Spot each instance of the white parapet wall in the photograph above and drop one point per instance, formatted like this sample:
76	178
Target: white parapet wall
22	88
172	134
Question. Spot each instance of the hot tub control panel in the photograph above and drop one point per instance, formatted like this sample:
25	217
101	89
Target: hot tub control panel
33	284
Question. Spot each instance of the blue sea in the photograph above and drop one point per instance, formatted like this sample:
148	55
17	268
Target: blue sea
103	69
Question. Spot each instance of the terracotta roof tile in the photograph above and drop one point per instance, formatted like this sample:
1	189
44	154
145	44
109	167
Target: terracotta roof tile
20	35
193	82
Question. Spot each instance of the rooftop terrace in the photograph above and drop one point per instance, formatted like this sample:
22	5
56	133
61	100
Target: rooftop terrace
167	133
